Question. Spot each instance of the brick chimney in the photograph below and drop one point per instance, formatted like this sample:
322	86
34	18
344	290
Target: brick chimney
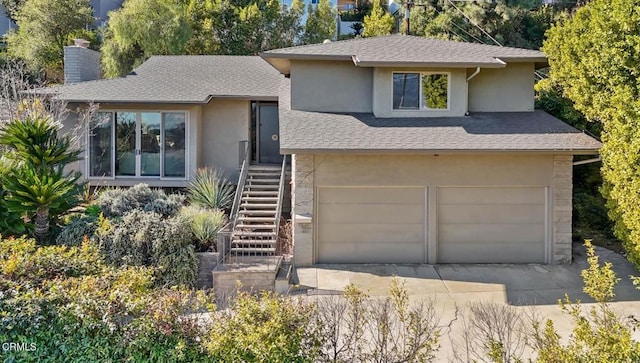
81	63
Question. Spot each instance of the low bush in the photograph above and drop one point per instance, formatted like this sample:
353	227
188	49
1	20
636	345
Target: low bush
119	201
96	315
265	328
360	328
210	189
21	260
147	239
599	333
74	233
204	224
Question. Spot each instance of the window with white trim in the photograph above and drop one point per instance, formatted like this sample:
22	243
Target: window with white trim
138	144
426	91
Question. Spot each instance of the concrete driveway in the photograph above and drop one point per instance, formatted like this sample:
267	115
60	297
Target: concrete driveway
536	287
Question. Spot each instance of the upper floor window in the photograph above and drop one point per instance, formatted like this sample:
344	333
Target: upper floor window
414	91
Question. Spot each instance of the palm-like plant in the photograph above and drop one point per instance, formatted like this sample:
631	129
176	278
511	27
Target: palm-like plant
37	186
210	189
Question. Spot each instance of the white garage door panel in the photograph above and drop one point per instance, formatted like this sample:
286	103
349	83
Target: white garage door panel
372	195
499	233
491	224
491	195
375	213
389	252
499	213
508	253
372	233
371	225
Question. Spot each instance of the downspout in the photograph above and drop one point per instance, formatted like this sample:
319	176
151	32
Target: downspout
466	113
588	161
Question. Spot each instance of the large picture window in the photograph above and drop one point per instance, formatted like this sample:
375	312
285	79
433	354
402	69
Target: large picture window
138	144
414	91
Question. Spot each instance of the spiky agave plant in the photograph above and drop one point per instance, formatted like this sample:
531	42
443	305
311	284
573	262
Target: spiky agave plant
210	189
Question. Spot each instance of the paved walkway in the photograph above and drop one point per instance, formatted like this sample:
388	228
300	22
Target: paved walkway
454	286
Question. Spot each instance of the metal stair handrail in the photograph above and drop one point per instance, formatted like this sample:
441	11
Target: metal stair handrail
280	197
242	179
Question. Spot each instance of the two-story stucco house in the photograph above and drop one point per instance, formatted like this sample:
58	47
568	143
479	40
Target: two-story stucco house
404	149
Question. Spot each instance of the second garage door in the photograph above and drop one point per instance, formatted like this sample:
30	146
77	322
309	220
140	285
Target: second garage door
491	224
371	225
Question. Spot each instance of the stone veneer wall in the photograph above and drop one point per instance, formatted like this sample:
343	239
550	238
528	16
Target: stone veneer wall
562	208
302	193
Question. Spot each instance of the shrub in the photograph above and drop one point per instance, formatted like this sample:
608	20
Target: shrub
204	224
599	335
265	328
76	231
22	260
111	316
359	328
146	239
119	201
209	189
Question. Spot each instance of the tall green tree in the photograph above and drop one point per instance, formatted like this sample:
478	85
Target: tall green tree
45	27
200	16
379	22
37	187
140	29
321	23
11	8
255	26
594	57
483	22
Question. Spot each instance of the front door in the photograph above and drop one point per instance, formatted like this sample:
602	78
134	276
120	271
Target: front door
268	134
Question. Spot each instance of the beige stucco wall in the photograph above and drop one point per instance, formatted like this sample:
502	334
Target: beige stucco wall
503	89
224	124
330	86
383	93
531	170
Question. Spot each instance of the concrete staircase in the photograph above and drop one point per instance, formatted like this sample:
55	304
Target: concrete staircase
256	229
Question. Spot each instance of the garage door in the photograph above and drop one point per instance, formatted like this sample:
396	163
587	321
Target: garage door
491	225
371	225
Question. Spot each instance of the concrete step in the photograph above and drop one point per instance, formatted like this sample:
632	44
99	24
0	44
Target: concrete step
254	234
258	205
256	219
265	167
262	174
256	212
273	187
264	193
263	181
256	226
249	199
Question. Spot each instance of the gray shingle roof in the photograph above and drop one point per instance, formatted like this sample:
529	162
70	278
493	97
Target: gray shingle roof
407	50
182	79
313	132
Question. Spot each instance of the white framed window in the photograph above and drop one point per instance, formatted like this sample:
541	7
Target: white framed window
138	144
421	90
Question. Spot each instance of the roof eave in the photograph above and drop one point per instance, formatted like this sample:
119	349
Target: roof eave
289	151
282	61
389	64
